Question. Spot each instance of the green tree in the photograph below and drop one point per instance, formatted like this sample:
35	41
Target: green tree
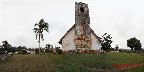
30	49
13	49
42	25
134	44
116	48
58	50
106	42
21	49
48	48
7	47
37	51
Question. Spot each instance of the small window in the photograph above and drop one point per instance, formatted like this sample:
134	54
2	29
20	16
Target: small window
82	9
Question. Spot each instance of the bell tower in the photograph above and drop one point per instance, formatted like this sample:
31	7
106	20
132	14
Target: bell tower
82	27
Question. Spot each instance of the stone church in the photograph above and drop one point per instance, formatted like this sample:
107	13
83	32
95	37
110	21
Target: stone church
80	38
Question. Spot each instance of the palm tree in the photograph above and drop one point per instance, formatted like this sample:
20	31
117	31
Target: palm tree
39	30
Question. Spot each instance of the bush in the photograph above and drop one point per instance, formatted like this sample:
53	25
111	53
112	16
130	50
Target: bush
48	50
37	51
24	52
129	51
58	50
125	50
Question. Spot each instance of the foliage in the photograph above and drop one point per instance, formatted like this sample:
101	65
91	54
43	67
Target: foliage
7	47
49	48
106	42
13	49
134	44
24	52
37	51
21	49
58	50
116	48
30	49
125	50
112	49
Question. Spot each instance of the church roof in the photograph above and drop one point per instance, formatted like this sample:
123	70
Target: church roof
60	42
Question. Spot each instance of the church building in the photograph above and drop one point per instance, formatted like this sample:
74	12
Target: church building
80	38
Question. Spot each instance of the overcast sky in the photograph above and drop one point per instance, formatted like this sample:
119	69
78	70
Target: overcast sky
122	19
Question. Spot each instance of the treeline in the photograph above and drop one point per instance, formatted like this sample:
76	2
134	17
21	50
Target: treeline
48	49
6	47
134	44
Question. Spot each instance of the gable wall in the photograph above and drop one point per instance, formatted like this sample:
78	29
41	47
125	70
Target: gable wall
69	44
95	43
68	41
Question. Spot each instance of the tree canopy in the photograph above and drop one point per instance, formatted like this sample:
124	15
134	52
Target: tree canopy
41	27
134	44
7	47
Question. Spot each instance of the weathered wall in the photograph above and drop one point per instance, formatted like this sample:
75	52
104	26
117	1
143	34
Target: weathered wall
95	43
82	27
68	41
82	19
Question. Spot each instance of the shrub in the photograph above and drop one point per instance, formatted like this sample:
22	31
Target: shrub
24	52
125	50
48	50
37	51
58	50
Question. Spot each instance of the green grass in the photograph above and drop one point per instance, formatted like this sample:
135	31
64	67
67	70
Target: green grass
71	63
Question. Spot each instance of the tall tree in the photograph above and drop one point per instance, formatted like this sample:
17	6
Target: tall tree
134	44
106	42
42	25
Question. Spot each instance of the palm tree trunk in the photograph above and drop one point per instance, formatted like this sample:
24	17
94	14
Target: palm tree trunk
39	43
39	46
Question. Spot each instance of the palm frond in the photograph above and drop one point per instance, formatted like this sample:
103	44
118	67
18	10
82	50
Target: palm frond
42	25
46	25
46	30
36	30
36	24
41	21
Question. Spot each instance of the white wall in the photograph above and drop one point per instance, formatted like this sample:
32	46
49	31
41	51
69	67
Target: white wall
68	41
69	44
95	43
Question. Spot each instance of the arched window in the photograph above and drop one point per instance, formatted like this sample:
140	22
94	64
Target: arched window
82	9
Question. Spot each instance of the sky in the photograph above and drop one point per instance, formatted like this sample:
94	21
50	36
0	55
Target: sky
123	19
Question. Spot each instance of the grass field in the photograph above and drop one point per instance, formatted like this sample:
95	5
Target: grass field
72	63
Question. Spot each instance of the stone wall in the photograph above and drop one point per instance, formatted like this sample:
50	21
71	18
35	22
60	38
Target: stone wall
82	52
82	27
